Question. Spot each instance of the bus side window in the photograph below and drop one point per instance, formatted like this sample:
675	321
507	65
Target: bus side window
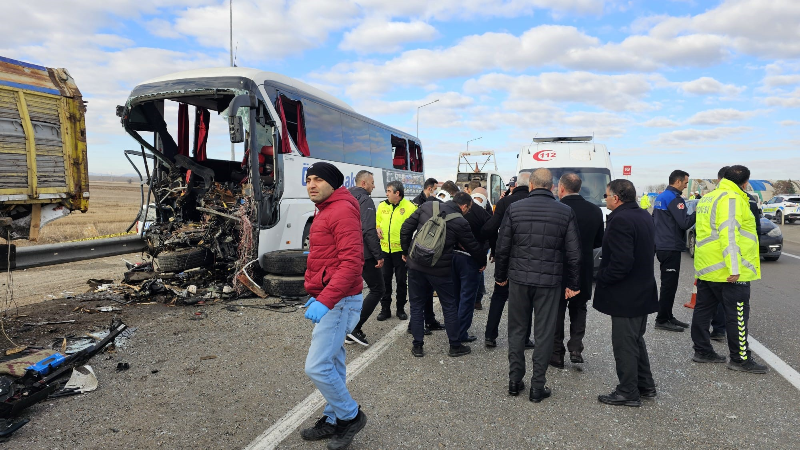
415	156
323	131
355	134
380	147
400	156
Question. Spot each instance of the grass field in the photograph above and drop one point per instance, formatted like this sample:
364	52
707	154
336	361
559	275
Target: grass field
112	208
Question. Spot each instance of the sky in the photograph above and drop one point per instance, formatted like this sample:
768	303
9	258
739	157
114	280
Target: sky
671	84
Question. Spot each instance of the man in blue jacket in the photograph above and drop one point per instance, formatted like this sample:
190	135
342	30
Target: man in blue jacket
671	222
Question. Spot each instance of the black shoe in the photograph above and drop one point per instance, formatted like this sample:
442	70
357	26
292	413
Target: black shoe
557	361
321	430
712	357
538	395
417	351
435	326
529	345
402	315
668	326
346	430
648	393
719	337
575	357
749	366
470	338
384	315
461	350
617	399
478	306
515	387
677	322
357	337
490	342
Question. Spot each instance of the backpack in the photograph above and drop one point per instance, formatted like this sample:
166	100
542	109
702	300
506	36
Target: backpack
428	243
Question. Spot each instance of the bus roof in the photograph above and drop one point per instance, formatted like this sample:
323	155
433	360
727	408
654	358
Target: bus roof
258	77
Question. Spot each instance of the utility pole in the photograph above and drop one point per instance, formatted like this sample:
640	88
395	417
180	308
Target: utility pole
472	140
418	107
233	148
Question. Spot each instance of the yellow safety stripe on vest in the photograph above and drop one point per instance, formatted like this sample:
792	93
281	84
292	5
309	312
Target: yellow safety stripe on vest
732	237
713	216
709	269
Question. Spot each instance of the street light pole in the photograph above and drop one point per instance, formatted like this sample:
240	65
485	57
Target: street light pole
418	107
472	140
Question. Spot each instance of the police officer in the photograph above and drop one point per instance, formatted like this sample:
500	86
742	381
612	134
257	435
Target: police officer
671	223
644	202
726	260
390	217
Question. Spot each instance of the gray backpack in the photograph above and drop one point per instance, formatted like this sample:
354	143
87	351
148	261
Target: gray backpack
428	244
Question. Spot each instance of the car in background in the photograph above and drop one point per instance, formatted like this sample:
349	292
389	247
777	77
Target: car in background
770	240
782	206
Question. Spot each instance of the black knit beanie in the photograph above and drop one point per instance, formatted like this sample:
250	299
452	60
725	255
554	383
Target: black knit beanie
327	172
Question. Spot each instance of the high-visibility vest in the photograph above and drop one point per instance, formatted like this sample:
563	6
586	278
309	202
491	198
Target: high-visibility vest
645	202
727	243
389	218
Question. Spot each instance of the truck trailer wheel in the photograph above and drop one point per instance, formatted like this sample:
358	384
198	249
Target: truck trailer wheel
281	286
285	262
184	259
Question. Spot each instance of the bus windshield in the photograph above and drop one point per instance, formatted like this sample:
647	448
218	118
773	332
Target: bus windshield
593	181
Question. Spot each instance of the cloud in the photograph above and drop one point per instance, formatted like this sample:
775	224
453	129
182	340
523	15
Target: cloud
781	80
789	123
788	100
660	122
161	28
720	116
380	36
612	92
691	136
709	86
468	9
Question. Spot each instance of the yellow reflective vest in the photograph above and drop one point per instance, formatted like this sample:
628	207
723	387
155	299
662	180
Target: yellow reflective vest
389	219
645	202
727	243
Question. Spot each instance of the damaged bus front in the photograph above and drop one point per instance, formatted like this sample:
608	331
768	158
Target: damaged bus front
212	211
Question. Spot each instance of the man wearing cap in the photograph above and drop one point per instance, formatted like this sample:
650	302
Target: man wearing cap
520	191
333	279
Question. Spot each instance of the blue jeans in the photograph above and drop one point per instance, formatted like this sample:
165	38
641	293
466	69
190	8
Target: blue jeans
325	363
465	287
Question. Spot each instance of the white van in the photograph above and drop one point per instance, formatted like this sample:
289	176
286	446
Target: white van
579	155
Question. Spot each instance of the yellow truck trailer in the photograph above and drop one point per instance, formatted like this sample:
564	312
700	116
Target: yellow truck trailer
43	169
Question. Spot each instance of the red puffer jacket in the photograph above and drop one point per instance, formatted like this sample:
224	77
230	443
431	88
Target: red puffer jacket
336	255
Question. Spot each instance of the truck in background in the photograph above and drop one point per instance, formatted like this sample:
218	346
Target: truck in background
43	169
481	166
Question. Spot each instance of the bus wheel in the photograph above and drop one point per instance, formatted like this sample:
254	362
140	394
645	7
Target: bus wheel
280	286
285	262
183	259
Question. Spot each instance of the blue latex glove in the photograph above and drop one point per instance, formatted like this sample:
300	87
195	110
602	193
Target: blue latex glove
316	311
310	301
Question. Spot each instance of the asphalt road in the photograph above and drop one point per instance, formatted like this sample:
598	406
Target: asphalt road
220	382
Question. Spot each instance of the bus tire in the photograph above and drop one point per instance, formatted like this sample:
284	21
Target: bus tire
285	262
281	286
183	259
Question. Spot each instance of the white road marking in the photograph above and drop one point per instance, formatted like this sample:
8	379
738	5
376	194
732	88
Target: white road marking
286	425
790	255
773	360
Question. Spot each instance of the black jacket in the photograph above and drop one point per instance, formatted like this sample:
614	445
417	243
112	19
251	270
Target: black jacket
477	218
458	233
493	225
420	199
671	220
626	285
372	245
756	212
591	228
536	236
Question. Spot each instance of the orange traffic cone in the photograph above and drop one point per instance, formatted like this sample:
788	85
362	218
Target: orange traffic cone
690	303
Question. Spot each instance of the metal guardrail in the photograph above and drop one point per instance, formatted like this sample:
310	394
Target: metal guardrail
51	254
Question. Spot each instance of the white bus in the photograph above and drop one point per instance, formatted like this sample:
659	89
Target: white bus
290	123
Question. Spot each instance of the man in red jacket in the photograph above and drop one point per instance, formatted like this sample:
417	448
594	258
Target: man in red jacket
333	279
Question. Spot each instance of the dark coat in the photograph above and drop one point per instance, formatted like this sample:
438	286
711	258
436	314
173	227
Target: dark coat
539	243
493	225
671	220
626	284
372	244
336	250
477	218
458	233
591	228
